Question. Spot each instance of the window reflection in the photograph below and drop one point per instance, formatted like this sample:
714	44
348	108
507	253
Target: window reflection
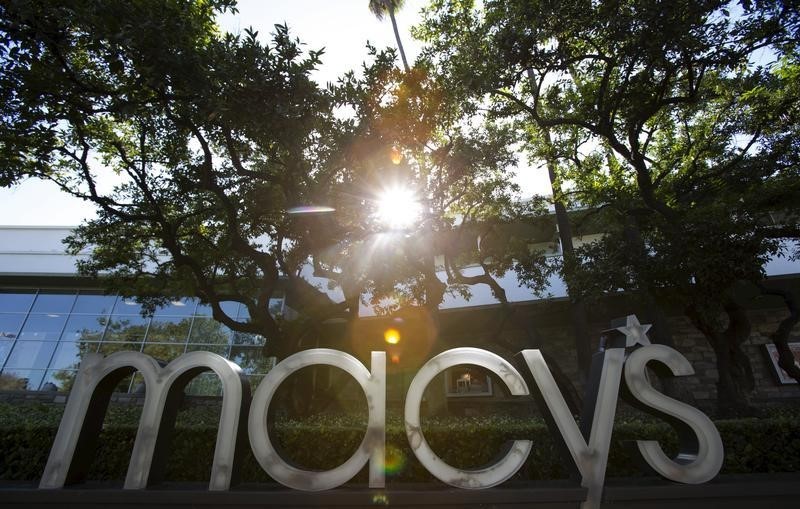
217	349
84	328
127	306
5	347
53	301
21	379
45	334
179	307
10	324
209	331
40	327
31	354
163	353
109	348
61	380
251	360
16	301
205	384
126	328
68	355
230	308
172	329
246	338
94	303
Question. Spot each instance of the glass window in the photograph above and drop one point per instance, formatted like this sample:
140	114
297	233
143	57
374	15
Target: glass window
16	301
205	384
109	348
217	349
251	360
163	353
94	303
54	301
209	331
43	327
468	380
68	355
84	328
180	307
5	347
126	328
166	329
10	324
21	379
246	338
230	308
276	307
31	354
59	380
127	306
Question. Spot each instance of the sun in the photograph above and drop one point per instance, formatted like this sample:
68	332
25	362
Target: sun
398	207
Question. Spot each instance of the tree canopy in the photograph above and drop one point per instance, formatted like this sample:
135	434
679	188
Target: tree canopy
235	176
674	123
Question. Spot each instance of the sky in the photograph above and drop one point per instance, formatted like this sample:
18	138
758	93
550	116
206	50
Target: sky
341	27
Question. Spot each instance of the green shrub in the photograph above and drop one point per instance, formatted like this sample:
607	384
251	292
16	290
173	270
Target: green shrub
27	431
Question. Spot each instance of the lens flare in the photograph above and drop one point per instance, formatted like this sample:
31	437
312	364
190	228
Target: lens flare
398	207
395	460
395	155
391	336
310	209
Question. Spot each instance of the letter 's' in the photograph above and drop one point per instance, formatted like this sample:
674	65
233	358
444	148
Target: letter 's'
701	453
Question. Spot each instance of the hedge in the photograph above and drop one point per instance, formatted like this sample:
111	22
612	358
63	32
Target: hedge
26	433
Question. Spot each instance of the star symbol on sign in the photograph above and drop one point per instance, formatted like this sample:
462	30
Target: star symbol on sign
635	332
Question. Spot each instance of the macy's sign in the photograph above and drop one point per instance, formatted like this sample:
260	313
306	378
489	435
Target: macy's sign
624	357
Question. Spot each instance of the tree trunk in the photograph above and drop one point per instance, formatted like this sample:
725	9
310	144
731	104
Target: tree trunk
580	321
660	333
397	37
577	308
780	338
735	373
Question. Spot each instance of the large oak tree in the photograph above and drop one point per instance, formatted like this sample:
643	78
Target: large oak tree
676	121
221	170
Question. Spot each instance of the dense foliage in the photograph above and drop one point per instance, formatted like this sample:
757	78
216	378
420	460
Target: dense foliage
674	122
221	170
751	445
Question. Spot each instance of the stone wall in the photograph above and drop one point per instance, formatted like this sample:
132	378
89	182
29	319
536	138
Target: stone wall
547	326
768	391
701	387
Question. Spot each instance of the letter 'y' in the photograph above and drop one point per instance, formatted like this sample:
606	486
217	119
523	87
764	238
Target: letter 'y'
591	458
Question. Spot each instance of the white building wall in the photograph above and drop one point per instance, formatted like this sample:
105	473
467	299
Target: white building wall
35	250
39	251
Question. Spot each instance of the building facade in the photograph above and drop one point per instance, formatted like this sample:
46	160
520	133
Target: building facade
50	317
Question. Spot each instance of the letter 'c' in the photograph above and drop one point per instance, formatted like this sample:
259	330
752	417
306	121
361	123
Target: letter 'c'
372	448
470	479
